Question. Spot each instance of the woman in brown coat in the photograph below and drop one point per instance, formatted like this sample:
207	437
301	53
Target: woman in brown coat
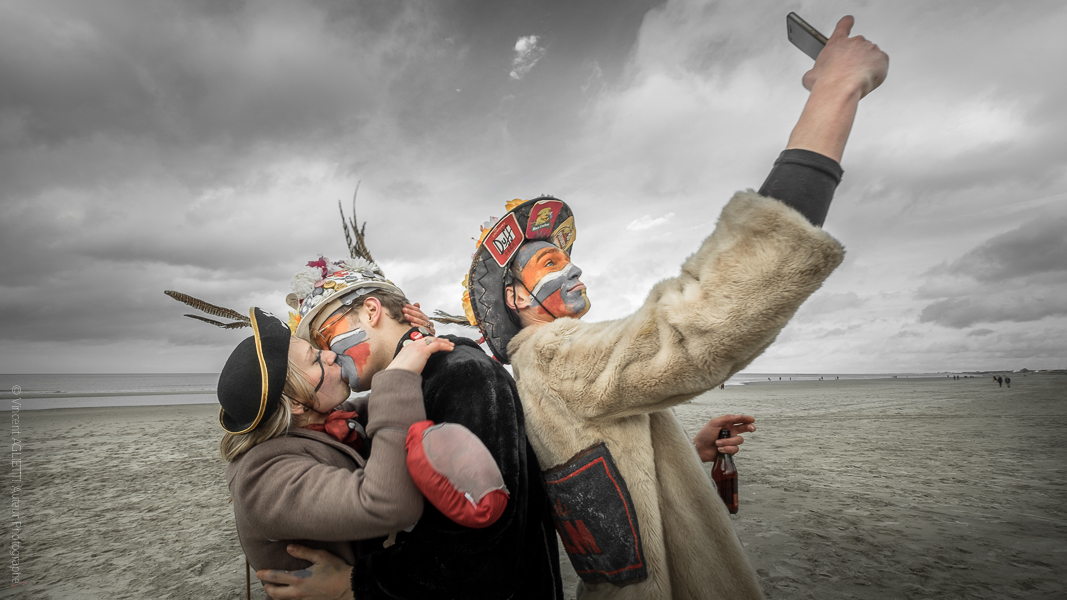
300	467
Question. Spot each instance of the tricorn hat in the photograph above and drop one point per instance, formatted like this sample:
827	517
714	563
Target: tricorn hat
251	383
544	218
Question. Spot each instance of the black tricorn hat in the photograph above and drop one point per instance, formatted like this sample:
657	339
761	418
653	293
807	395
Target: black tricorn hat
251	383
544	218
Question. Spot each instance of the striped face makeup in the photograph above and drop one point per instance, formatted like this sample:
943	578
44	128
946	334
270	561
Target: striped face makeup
549	276
342	333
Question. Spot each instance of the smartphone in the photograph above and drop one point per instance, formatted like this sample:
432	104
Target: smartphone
804	36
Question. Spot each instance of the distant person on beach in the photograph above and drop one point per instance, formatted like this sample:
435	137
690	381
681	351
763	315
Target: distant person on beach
638	515
290	475
1007	380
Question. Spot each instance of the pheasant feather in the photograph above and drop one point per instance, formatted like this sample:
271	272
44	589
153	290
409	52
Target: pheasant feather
359	248
211	309
447	319
234	325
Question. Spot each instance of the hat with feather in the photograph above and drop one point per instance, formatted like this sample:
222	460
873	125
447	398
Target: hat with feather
544	218
323	285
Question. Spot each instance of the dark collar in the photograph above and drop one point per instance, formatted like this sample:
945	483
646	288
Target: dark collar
415	333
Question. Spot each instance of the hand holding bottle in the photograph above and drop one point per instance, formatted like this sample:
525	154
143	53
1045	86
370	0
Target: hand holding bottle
707	440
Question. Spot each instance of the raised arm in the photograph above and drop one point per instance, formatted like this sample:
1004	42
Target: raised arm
741	287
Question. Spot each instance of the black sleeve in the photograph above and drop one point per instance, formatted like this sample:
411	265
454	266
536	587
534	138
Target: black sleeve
438	558
804	180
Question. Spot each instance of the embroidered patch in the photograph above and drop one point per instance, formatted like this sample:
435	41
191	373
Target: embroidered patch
563	237
504	240
542	218
595	518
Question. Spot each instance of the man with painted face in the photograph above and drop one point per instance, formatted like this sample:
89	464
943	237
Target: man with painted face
350	308
547	283
633	506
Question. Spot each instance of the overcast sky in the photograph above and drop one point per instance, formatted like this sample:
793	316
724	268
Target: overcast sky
202	146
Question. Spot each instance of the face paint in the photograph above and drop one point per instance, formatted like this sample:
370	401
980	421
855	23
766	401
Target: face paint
321	371
353	352
552	280
342	320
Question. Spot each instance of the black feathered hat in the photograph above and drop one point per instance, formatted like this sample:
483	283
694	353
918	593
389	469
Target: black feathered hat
251	383
544	218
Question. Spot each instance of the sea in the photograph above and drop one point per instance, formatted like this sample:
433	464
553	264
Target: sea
37	391
32	392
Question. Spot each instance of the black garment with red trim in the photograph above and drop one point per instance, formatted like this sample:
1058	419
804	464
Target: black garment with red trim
595	518
515	557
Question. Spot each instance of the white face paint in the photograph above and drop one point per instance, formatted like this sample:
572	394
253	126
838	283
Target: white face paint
552	280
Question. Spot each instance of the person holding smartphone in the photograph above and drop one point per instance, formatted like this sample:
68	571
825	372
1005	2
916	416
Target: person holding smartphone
601	392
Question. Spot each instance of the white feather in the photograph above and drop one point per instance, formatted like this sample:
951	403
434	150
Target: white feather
304	281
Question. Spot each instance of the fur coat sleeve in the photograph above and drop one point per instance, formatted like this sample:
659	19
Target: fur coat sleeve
695	330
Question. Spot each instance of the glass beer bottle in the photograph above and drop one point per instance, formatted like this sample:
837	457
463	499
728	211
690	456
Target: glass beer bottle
724	474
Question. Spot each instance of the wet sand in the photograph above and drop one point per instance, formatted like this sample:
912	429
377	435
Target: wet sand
907	488
903	488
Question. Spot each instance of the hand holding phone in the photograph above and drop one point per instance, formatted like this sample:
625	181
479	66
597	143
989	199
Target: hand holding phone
852	60
804	36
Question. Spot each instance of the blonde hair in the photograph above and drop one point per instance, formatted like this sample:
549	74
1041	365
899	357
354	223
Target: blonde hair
297	389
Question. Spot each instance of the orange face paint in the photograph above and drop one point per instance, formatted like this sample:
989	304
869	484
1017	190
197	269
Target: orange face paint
342	333
552	280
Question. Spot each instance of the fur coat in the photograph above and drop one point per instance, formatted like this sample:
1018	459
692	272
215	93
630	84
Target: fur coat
632	502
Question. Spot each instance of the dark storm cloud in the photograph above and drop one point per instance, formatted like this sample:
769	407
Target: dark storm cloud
1015	276
104	300
262	72
192	86
1016	306
1038	246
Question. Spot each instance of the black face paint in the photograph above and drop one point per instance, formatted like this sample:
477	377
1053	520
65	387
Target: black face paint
535	298
322	370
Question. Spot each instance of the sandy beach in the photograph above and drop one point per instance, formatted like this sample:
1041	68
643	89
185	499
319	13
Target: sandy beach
872	489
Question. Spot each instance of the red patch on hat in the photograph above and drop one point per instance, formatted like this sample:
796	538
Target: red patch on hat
504	240
543	219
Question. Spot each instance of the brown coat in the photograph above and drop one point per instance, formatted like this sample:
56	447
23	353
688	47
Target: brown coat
583	384
309	488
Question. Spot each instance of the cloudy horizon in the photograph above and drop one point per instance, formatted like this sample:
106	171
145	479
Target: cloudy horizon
203	147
